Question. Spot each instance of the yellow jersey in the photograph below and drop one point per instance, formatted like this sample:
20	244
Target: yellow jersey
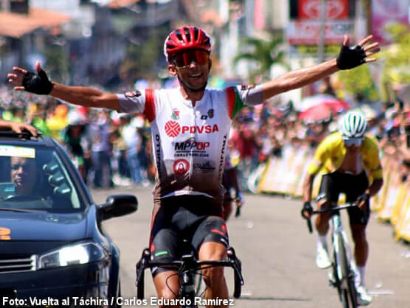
331	151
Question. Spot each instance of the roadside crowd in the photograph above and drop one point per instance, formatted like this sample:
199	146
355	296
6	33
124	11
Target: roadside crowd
112	149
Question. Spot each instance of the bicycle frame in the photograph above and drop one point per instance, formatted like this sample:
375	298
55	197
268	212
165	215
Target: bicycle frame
341	265
342	271
187	267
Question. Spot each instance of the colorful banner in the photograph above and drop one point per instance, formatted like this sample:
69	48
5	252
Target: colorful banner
308	32
311	9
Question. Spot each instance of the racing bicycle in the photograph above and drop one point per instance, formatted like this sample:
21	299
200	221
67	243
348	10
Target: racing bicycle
342	274
189	269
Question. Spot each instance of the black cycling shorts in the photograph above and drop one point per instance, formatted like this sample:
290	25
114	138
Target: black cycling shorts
352	186
195	219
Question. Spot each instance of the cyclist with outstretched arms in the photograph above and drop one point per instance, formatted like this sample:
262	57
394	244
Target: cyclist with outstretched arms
190	126
351	165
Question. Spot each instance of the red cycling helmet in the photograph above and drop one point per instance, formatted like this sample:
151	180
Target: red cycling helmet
186	37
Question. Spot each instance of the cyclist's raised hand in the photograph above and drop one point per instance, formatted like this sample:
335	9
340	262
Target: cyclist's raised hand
307	210
362	200
23	80
353	56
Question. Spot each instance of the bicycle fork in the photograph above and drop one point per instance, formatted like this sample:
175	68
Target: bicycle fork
342	252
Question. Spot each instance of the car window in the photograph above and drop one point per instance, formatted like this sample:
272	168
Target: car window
35	178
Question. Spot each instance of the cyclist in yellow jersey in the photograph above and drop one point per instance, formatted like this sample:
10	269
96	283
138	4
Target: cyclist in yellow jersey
352	166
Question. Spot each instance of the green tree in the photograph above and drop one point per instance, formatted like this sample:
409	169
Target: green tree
56	61
396	68
142	59
359	81
263	53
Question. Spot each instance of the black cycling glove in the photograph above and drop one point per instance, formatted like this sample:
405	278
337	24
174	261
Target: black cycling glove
363	198
350	57
37	83
307	207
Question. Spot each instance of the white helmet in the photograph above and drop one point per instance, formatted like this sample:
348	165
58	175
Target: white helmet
353	125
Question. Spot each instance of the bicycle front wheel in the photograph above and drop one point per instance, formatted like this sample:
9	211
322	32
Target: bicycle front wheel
347	290
188	289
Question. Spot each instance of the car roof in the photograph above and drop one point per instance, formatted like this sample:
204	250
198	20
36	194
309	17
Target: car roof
25	137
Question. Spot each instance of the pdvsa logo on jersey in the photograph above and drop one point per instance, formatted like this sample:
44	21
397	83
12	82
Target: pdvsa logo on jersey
204	129
181	166
172	128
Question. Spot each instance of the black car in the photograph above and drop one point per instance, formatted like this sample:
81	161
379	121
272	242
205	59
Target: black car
53	251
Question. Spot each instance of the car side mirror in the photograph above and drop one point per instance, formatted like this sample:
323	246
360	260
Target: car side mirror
117	205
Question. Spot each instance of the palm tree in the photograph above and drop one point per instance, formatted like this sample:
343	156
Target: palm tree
264	53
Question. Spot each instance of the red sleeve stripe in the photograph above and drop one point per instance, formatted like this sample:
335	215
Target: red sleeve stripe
149	111
230	95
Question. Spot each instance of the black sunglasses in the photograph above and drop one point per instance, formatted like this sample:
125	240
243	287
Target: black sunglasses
185	58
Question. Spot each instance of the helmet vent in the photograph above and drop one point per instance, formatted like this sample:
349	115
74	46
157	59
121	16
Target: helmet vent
195	33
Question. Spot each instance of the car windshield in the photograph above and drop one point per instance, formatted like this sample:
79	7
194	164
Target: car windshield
35	178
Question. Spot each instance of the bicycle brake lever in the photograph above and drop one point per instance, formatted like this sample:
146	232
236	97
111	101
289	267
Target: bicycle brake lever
308	221
140	270
309	224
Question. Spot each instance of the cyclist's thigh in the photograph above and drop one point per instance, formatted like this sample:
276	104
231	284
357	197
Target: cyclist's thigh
357	186
164	239
212	251
165	245
329	187
211	229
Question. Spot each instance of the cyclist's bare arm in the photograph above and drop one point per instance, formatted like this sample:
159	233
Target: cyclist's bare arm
85	96
298	78
375	187
78	95
307	187
305	76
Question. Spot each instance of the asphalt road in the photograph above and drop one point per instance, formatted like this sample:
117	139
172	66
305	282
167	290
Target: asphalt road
277	255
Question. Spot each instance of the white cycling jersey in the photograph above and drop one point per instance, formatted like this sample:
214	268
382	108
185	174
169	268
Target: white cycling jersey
189	143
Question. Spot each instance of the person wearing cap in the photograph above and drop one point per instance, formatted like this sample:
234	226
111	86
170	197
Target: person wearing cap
190	125
352	166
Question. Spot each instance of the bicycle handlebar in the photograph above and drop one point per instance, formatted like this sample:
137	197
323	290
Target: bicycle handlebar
180	265
333	209
189	263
